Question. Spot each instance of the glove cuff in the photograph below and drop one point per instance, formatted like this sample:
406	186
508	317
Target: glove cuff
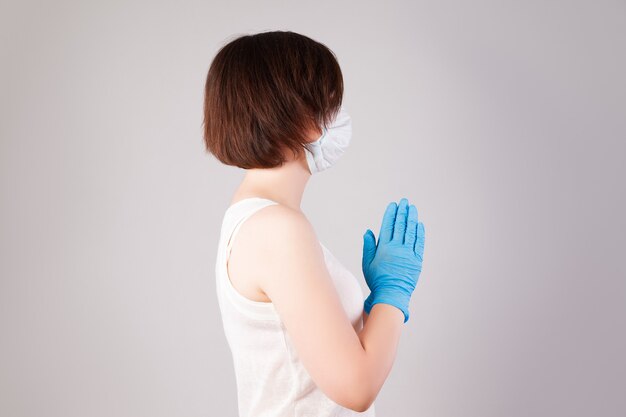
387	296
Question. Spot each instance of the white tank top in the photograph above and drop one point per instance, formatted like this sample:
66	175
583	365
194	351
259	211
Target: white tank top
271	379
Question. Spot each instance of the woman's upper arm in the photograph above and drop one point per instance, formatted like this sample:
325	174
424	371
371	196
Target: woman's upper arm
293	274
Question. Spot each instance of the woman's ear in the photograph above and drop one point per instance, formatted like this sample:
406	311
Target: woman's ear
314	134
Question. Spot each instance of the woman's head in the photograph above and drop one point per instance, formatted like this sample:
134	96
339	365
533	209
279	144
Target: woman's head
267	94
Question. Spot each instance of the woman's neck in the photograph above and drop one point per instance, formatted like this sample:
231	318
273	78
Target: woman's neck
284	184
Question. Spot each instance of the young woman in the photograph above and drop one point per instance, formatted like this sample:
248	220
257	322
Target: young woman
303	340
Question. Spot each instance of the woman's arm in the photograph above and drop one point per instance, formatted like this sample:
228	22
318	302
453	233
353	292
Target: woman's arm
379	337
349	368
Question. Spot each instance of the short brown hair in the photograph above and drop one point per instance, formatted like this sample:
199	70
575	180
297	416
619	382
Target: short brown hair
263	95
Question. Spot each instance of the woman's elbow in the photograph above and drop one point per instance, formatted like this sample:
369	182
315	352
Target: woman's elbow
362	403
363	406
353	396
362	393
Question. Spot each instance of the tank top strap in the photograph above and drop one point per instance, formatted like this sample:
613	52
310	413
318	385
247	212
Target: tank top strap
239	212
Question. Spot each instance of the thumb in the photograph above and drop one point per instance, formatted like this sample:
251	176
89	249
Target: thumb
369	249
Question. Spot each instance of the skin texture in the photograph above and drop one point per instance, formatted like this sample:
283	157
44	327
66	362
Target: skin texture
277	257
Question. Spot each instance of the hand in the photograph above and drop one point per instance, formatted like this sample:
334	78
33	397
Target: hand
392	267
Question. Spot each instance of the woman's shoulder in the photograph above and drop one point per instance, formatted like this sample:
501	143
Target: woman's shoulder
269	239
274	231
273	221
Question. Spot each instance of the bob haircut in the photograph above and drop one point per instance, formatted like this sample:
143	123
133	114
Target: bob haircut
265	93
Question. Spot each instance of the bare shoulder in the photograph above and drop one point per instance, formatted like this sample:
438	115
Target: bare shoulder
270	239
276	224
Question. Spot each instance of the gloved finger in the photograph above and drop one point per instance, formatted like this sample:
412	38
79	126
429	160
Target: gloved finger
400	225
419	241
386	229
369	249
411	227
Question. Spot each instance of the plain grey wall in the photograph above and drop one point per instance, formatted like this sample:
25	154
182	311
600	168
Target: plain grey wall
504	122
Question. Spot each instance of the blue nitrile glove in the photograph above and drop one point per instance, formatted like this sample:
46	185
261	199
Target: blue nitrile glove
392	267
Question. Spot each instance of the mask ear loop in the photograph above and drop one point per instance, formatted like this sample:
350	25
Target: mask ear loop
316	143
324	131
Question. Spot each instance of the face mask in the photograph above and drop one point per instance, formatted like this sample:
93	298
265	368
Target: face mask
326	150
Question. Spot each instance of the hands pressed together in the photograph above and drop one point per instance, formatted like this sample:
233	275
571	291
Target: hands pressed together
392	266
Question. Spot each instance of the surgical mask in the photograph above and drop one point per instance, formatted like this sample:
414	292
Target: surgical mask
325	151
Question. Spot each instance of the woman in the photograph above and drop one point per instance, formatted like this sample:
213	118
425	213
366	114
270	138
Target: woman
303	341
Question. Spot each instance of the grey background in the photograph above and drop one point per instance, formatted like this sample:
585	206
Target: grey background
503	122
